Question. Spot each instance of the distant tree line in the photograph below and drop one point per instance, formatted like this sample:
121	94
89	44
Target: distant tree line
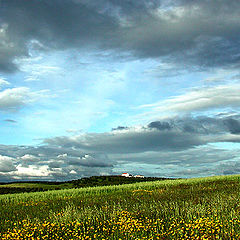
110	180
93	181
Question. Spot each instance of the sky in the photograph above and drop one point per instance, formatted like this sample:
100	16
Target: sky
103	87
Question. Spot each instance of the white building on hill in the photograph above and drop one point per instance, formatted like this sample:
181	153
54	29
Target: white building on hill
126	175
139	176
130	175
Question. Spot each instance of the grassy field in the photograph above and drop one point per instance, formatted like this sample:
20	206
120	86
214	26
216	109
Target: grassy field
204	208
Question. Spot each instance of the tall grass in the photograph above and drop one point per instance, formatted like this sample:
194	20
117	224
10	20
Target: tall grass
202	208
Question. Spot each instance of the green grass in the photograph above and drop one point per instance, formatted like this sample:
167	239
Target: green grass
171	209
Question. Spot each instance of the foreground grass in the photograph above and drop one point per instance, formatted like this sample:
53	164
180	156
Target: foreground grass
204	208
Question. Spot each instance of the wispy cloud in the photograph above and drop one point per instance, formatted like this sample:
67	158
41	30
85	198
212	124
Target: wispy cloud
3	82
12	99
199	99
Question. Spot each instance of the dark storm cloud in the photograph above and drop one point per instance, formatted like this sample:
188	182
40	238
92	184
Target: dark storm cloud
197	34
57	24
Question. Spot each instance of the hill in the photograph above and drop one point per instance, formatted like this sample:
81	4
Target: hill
111	180
40	186
203	208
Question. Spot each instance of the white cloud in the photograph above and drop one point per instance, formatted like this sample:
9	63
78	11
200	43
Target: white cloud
222	75
33	171
228	138
12	99
3	82
37	71
29	157
199	99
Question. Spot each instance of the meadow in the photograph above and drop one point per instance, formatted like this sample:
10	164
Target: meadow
201	208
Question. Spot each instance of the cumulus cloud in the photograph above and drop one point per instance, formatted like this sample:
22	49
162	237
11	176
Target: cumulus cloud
191	31
32	171
28	159
13	98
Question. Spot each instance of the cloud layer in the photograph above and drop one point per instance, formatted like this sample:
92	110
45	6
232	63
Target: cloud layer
173	134
169	147
199	34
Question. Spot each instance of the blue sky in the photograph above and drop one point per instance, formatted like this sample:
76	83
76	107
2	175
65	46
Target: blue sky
94	88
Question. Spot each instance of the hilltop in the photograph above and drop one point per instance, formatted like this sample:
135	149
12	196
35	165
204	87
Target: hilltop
94	181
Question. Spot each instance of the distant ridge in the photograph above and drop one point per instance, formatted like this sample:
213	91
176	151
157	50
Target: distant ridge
94	181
